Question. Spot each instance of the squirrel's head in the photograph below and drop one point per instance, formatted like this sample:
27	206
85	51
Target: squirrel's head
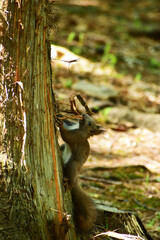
89	126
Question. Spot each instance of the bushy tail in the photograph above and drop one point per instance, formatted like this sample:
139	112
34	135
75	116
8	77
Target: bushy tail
85	212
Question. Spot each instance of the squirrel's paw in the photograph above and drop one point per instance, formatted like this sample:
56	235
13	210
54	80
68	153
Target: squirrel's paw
65	182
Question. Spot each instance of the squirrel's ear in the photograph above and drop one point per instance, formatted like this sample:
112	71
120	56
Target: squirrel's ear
83	117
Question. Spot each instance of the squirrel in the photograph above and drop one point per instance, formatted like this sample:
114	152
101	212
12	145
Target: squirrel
75	152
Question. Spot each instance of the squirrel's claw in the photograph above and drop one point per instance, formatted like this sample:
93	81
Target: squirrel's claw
65	182
67	186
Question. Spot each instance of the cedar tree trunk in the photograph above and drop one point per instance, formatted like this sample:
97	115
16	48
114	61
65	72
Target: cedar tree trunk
32	201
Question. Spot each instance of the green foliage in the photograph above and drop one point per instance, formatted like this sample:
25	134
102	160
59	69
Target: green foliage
138	24
96	108
147	178
108	57
151	223
77	49
158	179
138	77
105	112
107	49
107	225
81	38
154	63
71	37
68	83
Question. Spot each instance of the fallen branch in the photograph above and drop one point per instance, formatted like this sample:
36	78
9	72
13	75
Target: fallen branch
119	236
102	180
144	206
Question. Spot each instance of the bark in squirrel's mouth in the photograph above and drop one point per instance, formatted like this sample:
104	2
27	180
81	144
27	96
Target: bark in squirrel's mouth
97	131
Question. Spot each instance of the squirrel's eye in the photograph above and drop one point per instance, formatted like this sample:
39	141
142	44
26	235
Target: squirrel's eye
89	124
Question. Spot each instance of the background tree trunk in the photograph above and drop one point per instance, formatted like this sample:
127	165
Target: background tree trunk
35	198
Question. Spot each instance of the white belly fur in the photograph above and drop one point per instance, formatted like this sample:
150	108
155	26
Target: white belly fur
66	153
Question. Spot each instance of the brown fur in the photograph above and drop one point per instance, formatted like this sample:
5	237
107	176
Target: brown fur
85	212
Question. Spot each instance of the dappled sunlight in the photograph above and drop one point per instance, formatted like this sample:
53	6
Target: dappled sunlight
138	146
82	2
140	95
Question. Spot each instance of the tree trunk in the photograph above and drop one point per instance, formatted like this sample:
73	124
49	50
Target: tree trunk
34	193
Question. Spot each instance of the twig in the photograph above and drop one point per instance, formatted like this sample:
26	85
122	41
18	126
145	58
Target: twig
73	106
84	104
102	180
144	206
67	61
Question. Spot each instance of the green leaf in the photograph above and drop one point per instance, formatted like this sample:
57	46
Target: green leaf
71	37
138	77
106	111
68	83
154	63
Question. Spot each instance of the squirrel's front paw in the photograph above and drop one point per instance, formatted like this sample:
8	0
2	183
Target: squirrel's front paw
67	186
65	182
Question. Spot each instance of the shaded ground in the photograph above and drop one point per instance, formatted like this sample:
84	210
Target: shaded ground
117	46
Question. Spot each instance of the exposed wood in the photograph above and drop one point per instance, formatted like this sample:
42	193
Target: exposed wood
123	222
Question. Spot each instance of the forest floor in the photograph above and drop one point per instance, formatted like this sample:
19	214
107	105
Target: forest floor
115	44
